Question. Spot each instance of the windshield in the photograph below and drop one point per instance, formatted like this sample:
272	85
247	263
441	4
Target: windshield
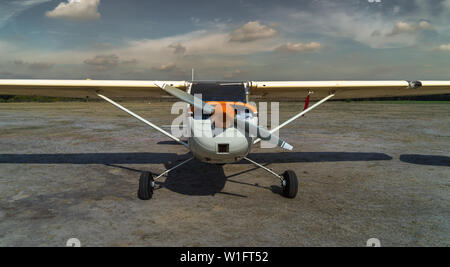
210	91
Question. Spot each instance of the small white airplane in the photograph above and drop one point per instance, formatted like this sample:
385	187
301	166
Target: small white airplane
224	106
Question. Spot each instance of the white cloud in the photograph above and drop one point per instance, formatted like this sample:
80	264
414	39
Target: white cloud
443	47
299	47
198	43
166	67
252	31
204	46
76	10
373	29
209	51
402	27
425	25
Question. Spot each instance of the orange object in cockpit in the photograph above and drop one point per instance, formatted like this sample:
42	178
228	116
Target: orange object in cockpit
225	111
223	116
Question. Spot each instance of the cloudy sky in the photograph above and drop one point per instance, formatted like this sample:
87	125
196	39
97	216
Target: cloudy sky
232	39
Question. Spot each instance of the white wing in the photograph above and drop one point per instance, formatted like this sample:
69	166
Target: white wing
85	88
276	90
346	89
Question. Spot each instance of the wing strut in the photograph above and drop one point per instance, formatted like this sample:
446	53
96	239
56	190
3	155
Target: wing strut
143	120
297	116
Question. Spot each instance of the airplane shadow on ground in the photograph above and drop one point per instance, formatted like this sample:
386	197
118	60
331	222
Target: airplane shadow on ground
426	159
195	178
163	158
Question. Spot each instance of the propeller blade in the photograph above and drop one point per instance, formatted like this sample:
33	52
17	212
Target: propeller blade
185	97
261	133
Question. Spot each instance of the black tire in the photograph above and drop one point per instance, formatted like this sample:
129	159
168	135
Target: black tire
290	184
145	191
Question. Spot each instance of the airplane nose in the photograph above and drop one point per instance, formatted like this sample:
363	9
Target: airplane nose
223	116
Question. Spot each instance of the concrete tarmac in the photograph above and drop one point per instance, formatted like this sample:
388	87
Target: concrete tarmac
366	170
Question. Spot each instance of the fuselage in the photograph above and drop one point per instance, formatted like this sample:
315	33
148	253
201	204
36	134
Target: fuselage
216	139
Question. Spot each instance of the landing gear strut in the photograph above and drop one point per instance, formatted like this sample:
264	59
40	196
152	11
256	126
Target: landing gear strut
289	181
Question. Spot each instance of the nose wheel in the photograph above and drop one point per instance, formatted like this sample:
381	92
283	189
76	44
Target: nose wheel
146	186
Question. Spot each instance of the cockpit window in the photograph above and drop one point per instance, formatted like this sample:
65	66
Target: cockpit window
220	91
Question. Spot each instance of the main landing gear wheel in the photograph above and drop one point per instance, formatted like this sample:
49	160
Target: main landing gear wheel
289	184
146	185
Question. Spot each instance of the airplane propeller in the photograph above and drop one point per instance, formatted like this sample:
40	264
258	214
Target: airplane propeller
240	122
